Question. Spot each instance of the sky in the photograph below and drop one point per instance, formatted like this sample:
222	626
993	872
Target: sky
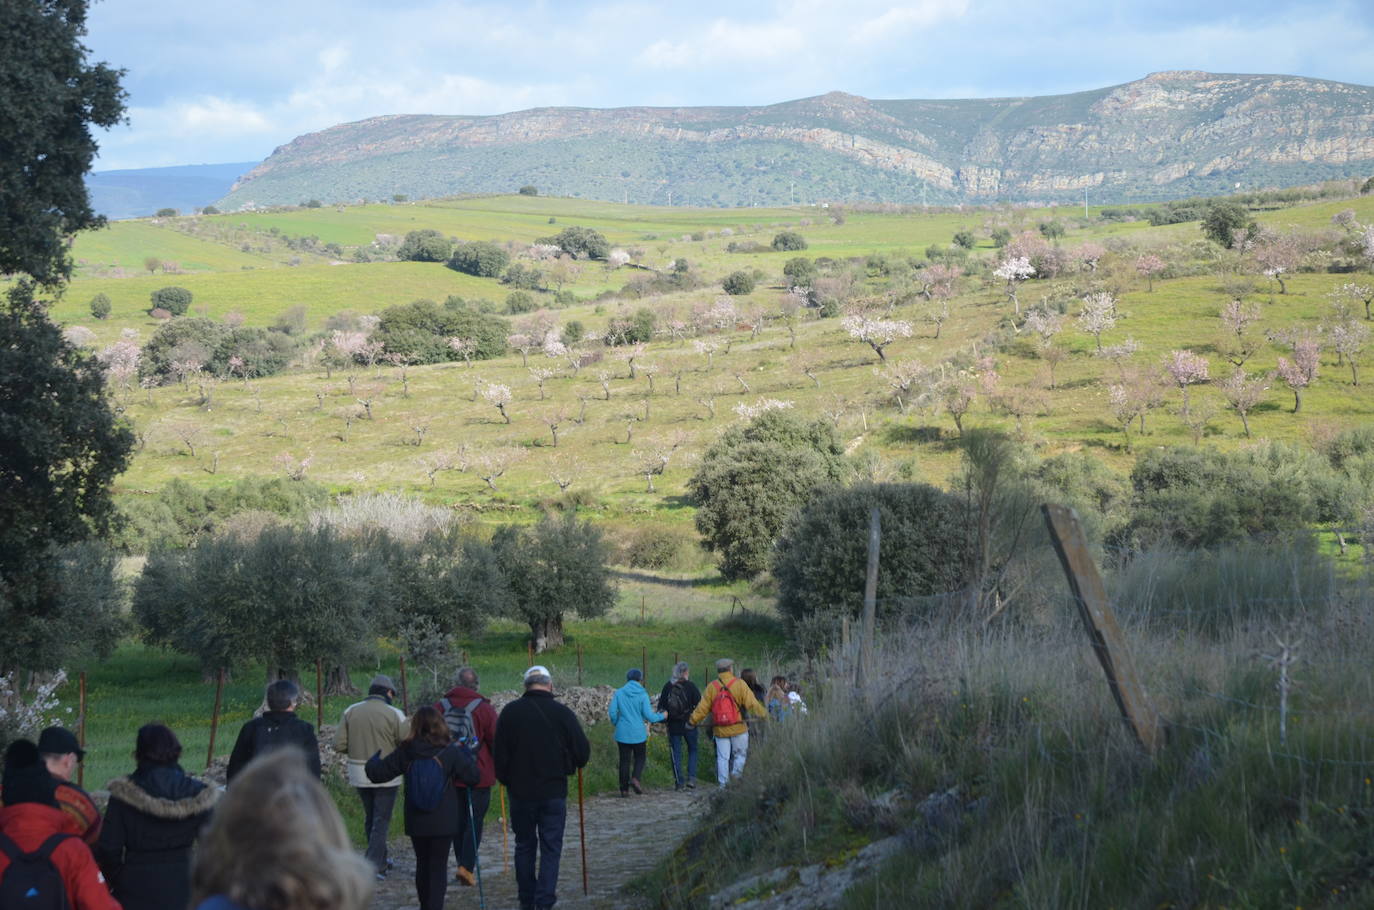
229	82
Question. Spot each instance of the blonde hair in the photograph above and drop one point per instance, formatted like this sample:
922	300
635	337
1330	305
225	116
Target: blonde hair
276	842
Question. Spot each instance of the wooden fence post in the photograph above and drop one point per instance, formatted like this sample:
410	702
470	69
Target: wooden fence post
214	717
1100	622
405	695
870	617
319	693
579	663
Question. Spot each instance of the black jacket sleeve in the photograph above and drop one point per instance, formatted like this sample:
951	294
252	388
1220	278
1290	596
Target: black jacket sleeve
311	745
503	748
577	741
109	849
243	751
380	770
460	766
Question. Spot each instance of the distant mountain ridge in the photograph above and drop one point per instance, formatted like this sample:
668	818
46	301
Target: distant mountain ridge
138	192
1168	135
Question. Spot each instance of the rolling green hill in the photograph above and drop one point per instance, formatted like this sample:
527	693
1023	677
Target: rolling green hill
1165	136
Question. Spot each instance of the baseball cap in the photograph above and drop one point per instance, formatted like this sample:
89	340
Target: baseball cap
538	670
60	741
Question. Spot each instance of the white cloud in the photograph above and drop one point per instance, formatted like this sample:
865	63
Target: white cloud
726	41
896	22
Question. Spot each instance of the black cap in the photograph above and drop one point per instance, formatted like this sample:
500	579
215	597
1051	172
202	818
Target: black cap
26	778
60	741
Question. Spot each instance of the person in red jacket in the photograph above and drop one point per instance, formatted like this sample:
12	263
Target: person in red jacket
30	817
470	715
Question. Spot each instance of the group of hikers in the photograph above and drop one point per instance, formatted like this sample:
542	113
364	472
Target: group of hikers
272	839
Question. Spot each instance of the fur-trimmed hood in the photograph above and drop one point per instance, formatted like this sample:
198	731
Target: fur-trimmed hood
193	803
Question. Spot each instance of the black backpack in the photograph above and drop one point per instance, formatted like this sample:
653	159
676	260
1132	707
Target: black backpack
463	725
677	705
32	881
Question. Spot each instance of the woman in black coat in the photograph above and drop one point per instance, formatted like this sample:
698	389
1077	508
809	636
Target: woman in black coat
154	816
431	831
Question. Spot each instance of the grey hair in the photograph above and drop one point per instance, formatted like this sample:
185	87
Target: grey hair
466	677
679	670
724	664
537	679
282	694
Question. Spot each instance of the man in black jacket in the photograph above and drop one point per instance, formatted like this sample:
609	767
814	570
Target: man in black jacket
278	726
538	744
680	691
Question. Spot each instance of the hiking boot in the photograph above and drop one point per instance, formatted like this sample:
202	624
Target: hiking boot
634	785
464	877
625	793
691	785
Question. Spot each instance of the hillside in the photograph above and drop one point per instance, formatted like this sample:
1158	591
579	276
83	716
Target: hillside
1168	135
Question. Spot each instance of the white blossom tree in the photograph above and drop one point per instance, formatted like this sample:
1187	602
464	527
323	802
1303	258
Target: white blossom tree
1098	315
878	334
1300	371
1014	270
1243	392
498	396
1186	369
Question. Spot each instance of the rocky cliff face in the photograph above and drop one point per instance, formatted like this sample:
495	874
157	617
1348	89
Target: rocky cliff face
1167	135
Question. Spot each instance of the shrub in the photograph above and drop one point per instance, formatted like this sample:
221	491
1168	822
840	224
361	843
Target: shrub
529	190
421	330
100	306
181	340
179	514
173	299
167	213
520	276
821	557
751	480
485	260
965	239
738	283
209	210
580	243
800	272
424	246
520	302
659	547
573	332
788	241
636	328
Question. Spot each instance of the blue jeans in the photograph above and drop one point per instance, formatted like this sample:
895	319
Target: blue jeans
675	743
538	826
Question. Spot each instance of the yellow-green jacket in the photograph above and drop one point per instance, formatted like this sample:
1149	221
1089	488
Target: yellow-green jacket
744	698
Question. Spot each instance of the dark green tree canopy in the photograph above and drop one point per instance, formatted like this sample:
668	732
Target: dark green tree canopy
788	241
485	260
800	272
426	245
421	330
753	478
173	299
1223	220
555	568
738	283
50	97
581	243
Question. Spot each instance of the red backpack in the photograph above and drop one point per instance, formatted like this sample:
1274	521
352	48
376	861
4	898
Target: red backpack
724	711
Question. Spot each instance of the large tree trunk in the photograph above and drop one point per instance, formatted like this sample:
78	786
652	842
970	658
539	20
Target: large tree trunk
337	682
547	633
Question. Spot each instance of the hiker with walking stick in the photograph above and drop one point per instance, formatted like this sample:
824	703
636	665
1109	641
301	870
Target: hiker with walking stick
472	721
539	743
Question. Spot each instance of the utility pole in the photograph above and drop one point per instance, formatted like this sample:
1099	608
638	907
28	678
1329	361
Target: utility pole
924	207
793	192
670	199
1085	200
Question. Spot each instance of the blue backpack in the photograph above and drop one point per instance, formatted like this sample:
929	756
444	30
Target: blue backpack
425	783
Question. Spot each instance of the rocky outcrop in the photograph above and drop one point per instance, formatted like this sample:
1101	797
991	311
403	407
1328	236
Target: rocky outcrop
1166	135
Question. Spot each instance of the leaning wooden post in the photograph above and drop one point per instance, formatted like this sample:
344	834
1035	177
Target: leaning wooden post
81	731
319	694
214	717
644	662
870	618
1100	622
529	652
579	663
405	695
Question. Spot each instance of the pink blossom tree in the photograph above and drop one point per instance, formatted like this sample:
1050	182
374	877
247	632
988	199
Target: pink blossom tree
1355	293
1301	371
1238	343
1243	392
1089	255
1186	369
1348	339
1149	266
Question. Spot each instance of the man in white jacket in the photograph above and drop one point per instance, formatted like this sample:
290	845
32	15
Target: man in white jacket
366	728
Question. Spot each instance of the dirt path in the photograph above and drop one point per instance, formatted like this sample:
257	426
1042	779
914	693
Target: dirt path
625	837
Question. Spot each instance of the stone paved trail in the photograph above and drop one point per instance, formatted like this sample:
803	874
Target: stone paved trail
625	837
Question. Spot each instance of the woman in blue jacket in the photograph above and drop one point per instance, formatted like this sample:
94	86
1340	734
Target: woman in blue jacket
630	712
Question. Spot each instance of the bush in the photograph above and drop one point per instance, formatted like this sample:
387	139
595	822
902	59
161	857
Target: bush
520	302
800	272
751	480
100	306
485	260
788	241
179	515
167	213
573	332
660	547
637	328
965	239
520	276
424	246
580	243
822	556
209	210
421	330
181	340
738	283
173	299
529	190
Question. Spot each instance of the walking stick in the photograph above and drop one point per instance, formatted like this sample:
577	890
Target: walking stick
476	860
582	831
505	840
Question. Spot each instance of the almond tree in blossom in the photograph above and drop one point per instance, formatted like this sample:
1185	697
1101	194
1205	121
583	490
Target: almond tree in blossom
1353	293
1148	266
1243	392
878	334
1238	342
1348	339
464	348
1097	316
524	343
498	396
1186	368
1089	255
1301	371
1013	271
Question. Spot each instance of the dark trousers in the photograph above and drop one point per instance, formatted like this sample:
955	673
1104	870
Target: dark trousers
628	751
538	827
464	850
431	870
377	805
675	744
